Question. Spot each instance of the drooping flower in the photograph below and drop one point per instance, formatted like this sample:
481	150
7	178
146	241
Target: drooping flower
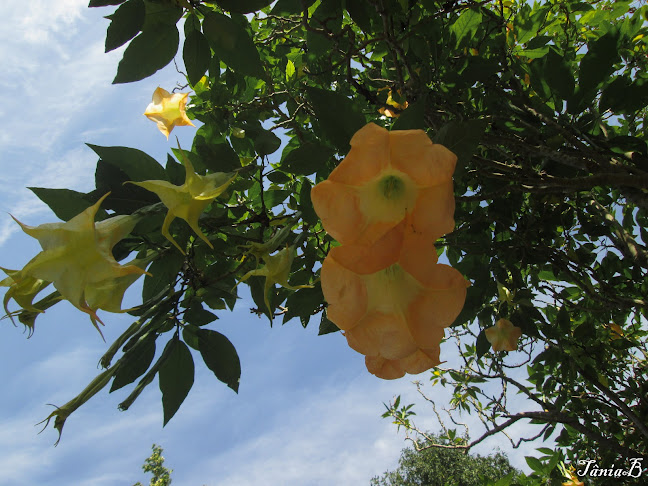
168	110
390	369
392	313
385	177
189	200
78	253
108	294
503	336
276	271
23	289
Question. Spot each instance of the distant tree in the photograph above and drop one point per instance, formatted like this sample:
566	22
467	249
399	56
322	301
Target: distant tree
155	465
440	466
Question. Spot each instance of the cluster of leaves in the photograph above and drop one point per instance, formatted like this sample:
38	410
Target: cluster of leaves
545	107
443	465
154	464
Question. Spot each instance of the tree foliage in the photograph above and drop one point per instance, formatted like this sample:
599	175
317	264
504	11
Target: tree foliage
544	106
440	466
154	464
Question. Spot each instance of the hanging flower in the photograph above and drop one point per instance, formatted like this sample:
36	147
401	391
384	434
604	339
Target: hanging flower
390	369
503	336
392	313
189	200
78	254
23	289
385	177
276	271
108	294
168	110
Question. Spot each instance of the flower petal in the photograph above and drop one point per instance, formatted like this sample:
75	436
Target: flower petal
382	334
434	210
338	206
412	152
437	306
368	156
345	292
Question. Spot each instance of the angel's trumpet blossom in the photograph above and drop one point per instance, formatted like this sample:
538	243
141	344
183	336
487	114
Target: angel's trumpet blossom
503	336
385	177
168	110
189	200
23	289
390	369
392	313
78	253
276	271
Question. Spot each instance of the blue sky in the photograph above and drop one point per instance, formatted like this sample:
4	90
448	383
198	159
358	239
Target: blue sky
308	412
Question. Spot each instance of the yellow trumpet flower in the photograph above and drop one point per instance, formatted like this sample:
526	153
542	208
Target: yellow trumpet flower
189	200
276	271
503	336
22	289
78	254
168	110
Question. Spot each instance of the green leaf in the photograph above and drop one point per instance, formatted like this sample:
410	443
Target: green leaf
104	3
306	159
163	272
265	142
216	157
65	203
125	23
531	53
303	303
124	198
196	55
598	63
412	117
306	204
135	362
534	463
291	7
232	44
326	326
198	316
462	138
290	70
220	356
338	116
273	198
360	12
466	25
161	14
176	377
175	171
147	53
243	6
483	345
558	75
136	164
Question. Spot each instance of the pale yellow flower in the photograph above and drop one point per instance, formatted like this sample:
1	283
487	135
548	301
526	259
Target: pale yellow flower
168	110
189	200
77	254
503	336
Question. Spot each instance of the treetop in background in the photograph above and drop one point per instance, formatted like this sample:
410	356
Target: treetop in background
544	107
